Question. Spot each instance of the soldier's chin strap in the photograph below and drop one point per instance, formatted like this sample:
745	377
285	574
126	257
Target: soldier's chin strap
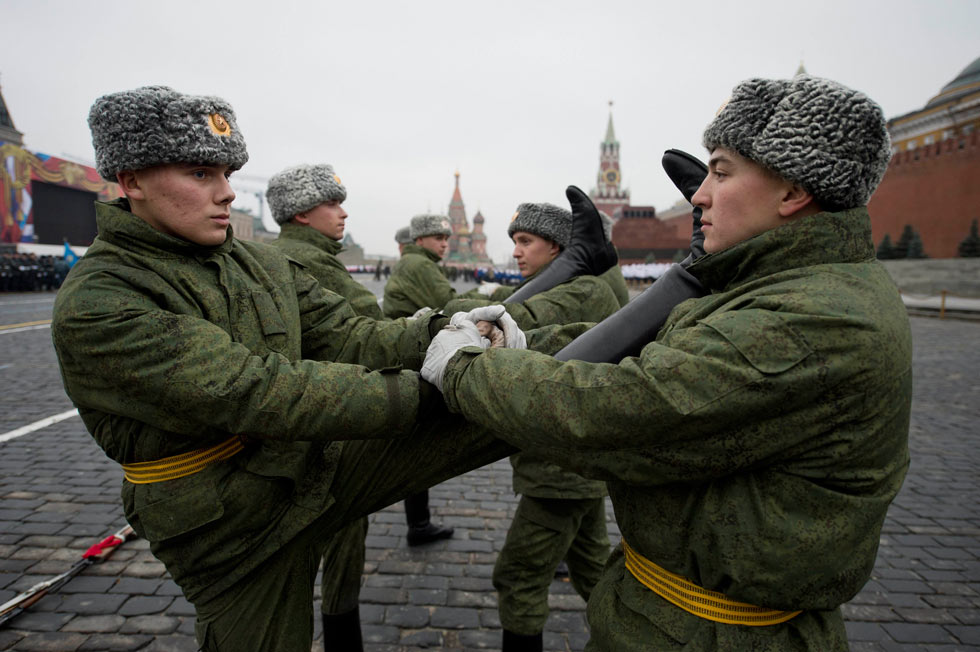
587	253
628	330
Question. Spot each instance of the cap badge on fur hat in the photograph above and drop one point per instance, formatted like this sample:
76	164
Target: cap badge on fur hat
514	216
446	225
219	125
337	179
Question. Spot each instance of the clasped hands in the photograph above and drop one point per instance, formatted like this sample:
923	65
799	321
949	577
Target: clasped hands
485	327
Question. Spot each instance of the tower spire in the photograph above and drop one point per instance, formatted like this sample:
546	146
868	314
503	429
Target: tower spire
610	132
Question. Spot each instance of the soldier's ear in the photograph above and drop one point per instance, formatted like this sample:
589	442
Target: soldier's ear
797	202
129	183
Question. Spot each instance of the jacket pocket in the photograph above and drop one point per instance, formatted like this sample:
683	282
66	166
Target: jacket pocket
270	321
168	509
766	341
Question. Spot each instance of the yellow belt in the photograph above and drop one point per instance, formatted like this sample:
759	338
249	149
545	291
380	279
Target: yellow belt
178	466
690	597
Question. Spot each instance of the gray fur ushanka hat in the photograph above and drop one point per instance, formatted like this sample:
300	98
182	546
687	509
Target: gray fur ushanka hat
545	220
827	138
403	235
155	125
300	188
429	224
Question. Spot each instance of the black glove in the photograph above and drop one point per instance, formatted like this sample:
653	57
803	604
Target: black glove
587	253
687	173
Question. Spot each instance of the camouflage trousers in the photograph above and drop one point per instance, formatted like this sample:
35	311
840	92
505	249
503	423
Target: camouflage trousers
545	531
271	608
343	565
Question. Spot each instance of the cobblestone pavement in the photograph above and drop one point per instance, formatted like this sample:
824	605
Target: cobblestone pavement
61	495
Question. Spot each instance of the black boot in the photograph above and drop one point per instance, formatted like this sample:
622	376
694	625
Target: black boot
419	533
522	642
342	632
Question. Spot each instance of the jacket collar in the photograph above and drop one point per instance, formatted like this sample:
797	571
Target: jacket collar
309	235
120	227
843	237
421	251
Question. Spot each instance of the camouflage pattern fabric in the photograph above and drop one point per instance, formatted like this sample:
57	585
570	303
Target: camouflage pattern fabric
416	282
583	298
318	254
545	531
343	557
753	448
168	347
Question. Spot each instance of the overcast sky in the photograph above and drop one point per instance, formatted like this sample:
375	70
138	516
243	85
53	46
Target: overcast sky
397	96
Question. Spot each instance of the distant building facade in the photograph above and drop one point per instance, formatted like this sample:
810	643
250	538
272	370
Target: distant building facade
933	180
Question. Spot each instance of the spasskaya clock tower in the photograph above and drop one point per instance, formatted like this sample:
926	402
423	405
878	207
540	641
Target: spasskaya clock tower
607	194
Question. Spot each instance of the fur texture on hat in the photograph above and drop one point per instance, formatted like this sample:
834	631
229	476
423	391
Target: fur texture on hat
429	224
827	138
545	220
155	125
403	235
300	188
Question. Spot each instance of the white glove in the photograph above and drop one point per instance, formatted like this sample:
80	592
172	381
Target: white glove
513	335
487	288
421	311
445	345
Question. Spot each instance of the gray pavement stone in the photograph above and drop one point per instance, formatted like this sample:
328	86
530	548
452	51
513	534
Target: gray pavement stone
454	618
115	642
93	603
916	633
426	638
149	625
51	642
141	605
407	616
94	624
40	621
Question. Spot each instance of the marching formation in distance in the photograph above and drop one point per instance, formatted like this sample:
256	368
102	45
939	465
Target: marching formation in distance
747	414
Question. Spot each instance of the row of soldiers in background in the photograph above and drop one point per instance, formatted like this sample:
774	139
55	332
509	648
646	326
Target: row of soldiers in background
28	272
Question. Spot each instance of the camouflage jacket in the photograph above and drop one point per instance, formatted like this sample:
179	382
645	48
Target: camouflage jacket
584	298
318	254
753	448
416	282
167	347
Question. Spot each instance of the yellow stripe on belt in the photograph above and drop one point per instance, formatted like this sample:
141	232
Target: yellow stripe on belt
178	466
690	597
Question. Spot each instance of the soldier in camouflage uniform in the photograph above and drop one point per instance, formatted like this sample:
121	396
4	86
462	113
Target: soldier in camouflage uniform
416	283
751	451
306	201
560	515
192	358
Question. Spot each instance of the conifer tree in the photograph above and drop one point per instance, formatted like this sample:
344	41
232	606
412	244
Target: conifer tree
970	247
916	250
902	246
885	250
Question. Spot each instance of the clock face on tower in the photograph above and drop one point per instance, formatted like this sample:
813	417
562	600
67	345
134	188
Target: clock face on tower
612	176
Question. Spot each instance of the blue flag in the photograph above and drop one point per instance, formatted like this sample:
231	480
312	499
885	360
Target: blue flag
70	256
